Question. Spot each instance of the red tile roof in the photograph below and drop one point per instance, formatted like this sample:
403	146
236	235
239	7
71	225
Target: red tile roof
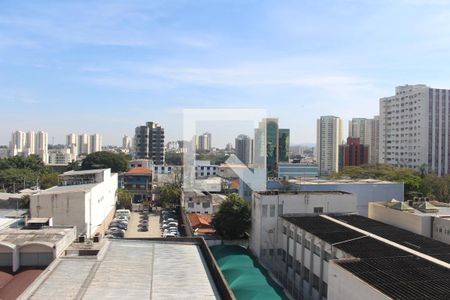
197	220
139	171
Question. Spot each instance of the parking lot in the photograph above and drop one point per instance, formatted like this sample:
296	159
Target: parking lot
153	228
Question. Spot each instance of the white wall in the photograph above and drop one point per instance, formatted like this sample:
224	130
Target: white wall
364	192
265	212
344	285
441	229
84	209
65	208
419	224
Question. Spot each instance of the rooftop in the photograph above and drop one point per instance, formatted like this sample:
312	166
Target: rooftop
396	272
139	171
340	181
22	236
129	269
296	192
68	188
431	208
82	172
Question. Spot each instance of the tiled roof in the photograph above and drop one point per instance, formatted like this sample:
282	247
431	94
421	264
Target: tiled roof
139	171
197	220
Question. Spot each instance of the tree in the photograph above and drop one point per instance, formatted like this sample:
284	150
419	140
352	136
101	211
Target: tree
169	194
73	165
124	198
173	158
24	202
233	218
117	162
49	180
410	178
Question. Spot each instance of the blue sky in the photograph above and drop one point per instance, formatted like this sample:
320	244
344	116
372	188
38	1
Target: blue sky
108	66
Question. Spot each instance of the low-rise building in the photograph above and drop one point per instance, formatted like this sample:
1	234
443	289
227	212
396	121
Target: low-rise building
201	224
138	181
134	269
203	168
201	202
268	206
427	218
23	247
85	199
355	258
298	170
366	190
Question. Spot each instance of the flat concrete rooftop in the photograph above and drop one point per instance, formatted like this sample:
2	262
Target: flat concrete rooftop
129	269
21	236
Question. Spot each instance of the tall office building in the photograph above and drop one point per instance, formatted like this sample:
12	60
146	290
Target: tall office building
30	144
368	133
149	142
204	142
274	141
329	137
17	144
243	148
96	143
42	145
84	143
415	128
283	145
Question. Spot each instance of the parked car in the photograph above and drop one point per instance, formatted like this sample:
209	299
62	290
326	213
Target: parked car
169	235
118	225
143	228
115	230
125	212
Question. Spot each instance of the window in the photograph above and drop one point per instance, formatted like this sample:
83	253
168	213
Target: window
316	250
327	256
279	251
284	229
316	282
299	238
280	209
206	204
306	275
272	211
290	261
318	210
271	252
298	267
263	252
307	244
324	289
264	211
284	255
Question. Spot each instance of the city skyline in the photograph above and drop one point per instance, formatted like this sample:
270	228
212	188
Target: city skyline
92	70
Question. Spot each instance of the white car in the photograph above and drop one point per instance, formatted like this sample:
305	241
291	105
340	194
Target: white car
169	235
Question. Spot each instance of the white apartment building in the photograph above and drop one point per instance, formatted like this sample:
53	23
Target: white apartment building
415	128
268	206
367	130
204	142
96	143
85	199
42	145
127	143
329	137
29	143
84	144
18	142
